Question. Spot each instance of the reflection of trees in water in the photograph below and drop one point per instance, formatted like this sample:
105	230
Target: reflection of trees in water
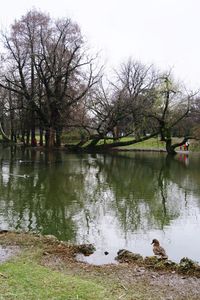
139	188
176	182
145	195
66	193
185	176
162	184
44	200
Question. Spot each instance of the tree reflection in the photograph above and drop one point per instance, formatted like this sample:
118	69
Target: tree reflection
140	191
70	195
42	200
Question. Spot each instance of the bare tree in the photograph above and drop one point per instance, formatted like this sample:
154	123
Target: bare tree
46	65
120	108
18	76
65	72
172	106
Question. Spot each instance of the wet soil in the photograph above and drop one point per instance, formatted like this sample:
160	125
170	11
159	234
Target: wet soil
126	279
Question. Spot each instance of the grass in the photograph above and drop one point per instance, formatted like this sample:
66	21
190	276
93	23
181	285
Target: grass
26	280
56	275
156	144
152	143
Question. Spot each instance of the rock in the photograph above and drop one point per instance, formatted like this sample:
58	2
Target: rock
169	263
141	270
151	260
86	249
126	255
187	264
165	264
39	235
2	231
159	263
63	243
51	237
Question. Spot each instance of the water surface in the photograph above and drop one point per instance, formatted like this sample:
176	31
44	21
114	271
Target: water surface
114	201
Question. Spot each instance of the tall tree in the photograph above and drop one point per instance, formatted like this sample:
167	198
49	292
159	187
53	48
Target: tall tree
19	76
65	72
120	109
49	68
172	106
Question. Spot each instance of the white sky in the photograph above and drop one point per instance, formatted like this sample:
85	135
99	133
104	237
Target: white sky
163	32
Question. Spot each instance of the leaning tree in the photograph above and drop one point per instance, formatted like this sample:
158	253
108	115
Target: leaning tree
120	108
172	106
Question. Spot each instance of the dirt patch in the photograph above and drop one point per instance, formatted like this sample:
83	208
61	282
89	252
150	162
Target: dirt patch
157	284
6	252
125	278
129	277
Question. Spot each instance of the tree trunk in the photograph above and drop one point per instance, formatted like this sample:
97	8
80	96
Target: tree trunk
12	130
115	133
102	147
50	137
28	137
58	137
46	138
170	147
23	137
93	143
41	137
4	136
13	136
33	138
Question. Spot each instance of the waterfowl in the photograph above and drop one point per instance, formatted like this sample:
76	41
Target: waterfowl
158	250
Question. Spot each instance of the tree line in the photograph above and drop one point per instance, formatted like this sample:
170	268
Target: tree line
51	84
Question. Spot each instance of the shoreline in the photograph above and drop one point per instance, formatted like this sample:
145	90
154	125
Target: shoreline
43	262
186	265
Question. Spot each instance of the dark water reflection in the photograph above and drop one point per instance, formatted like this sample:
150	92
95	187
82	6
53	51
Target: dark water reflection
114	201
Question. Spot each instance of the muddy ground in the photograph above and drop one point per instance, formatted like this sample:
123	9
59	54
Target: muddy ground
123	279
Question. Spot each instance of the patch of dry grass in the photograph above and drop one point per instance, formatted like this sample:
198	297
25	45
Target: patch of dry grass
47	269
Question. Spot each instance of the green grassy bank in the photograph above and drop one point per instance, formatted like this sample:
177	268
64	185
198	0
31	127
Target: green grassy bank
24	279
156	144
45	268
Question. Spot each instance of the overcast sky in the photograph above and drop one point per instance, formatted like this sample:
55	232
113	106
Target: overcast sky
163	32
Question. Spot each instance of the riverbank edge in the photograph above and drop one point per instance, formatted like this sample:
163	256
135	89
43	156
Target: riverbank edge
132	275
26	239
92	151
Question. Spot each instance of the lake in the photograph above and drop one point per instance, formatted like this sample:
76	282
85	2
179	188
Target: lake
115	201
